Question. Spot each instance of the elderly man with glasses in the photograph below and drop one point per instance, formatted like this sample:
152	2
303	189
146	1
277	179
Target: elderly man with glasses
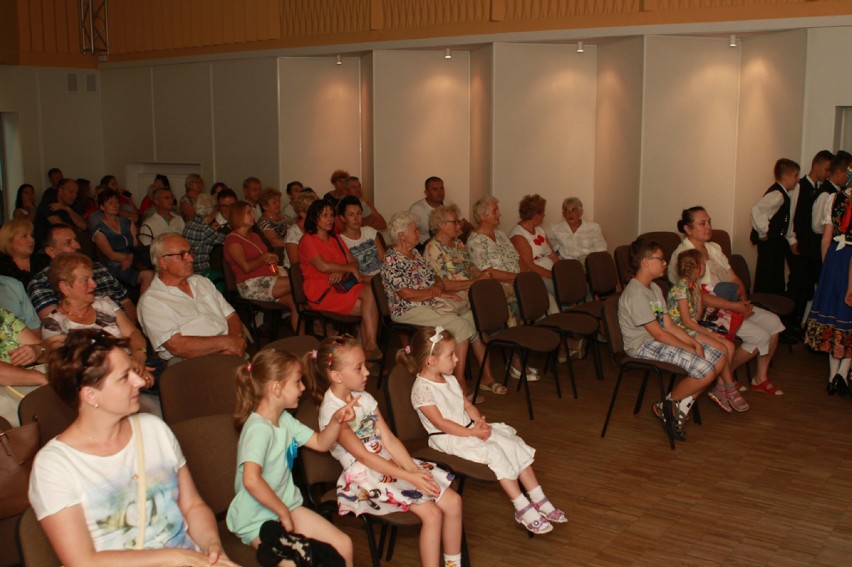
183	314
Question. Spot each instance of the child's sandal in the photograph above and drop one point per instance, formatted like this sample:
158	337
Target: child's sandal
538	526
555	516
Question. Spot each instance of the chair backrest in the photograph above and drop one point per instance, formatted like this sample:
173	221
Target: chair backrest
378	287
613	330
35	548
298	345
621	255
317	467
569	283
297	287
402	416
602	274
52	413
209	444
201	386
740	267
669	241
230	278
490	310
532	296
723	239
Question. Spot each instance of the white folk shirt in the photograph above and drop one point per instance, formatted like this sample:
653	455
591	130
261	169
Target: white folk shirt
768	206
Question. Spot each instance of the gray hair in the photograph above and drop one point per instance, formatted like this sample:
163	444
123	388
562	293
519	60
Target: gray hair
399	223
192	177
481	206
205	204
440	214
572	201
157	246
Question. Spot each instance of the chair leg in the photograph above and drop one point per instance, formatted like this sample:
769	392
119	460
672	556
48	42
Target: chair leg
391	542
570	369
375	553
667	408
596	356
612	402
481	370
641	395
385	342
525	382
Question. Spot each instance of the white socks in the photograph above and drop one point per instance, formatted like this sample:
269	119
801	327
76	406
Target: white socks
844	368
683	405
452	560
833	367
522	502
537	496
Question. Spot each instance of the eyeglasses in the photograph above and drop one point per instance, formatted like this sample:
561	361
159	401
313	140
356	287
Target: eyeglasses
456	221
660	258
184	254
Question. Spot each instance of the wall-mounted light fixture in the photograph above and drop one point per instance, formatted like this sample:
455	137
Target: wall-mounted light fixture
339	60
448	54
580	48
732	41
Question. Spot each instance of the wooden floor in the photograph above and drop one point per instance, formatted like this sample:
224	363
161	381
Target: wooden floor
768	487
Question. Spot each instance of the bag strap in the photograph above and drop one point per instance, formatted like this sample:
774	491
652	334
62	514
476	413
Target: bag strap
141	483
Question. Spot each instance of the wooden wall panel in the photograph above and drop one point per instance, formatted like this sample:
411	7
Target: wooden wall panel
72	8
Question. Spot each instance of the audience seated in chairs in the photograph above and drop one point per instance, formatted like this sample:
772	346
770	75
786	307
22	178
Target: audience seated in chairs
301	204
574	238
529	239
115	237
16	251
363	242
202	238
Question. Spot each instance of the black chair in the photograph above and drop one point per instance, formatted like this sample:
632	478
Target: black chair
198	387
668	241
298	345
533	303
601	274
342	323
621	255
569	283
388	327
491	313
781	305
626	363
272	310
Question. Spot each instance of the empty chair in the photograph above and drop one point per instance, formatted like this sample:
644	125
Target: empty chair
781	305
201	386
569	283
621	255
601	274
46	407
209	444
532	303
491	314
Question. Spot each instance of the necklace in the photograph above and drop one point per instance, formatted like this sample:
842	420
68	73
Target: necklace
80	315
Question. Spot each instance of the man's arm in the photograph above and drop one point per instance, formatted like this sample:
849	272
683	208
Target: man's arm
130	310
193	347
375	220
763	211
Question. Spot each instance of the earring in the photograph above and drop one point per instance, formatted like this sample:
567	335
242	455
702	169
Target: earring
97	405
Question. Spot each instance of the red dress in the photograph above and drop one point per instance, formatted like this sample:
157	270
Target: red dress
316	282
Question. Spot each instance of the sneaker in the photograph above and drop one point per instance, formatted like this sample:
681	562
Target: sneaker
677	431
532	374
538	526
719	394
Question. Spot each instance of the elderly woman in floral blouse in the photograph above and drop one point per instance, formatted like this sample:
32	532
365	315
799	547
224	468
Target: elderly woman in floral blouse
416	294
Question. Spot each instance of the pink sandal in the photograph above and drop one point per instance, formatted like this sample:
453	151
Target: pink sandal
555	516
538	526
767	387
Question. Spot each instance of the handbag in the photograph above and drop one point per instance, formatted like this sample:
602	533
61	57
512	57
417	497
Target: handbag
450	306
18	447
346	283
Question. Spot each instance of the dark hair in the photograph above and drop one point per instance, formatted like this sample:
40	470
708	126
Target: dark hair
641	249
430	180
49	238
421	348
318	363
224	194
687	216
784	166
219	184
81	361
268	365
106	195
530	206
312	216
18	200
840	162
106	179
293	184
53	170
346	201
338	174
163	179
822	155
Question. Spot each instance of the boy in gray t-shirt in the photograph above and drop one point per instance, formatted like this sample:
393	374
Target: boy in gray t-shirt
650	333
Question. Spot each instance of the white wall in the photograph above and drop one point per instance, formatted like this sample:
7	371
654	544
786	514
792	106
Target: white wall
618	140
320	128
689	137
421	121
543	126
827	86
128	117
772	79
481	122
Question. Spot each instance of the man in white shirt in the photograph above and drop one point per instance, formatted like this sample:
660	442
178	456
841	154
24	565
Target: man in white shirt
837	179
251	190
184	315
434	191
163	220
772	228
575	238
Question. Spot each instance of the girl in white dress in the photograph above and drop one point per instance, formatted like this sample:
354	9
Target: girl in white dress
456	427
379	476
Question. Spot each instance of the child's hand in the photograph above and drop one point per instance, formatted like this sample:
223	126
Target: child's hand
481	429
347	412
286	521
423	481
699	350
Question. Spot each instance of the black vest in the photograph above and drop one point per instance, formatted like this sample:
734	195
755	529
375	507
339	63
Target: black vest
780	221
